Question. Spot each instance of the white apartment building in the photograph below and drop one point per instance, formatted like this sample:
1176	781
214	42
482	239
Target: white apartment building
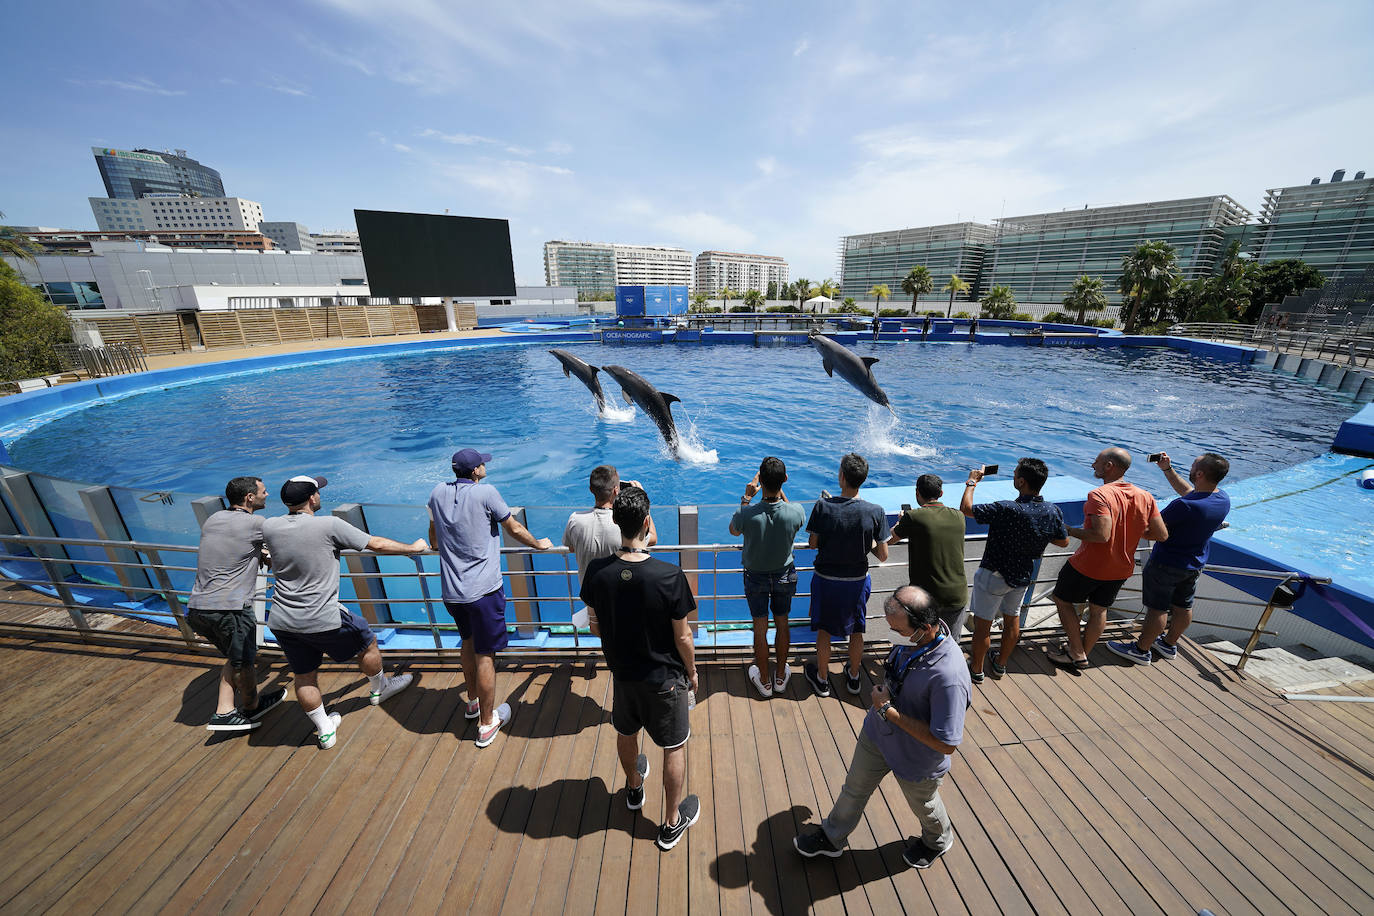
336	242
175	213
597	267
718	269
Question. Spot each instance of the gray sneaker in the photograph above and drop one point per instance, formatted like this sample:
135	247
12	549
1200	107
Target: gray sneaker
688	811
231	721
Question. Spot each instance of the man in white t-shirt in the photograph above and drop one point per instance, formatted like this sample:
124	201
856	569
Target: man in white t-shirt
591	534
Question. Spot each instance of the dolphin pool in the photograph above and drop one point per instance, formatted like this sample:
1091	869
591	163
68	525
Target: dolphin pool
382	427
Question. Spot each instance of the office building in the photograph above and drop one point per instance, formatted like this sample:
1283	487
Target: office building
886	257
336	242
63	241
1040	255
1330	226
177	213
132	174
719	269
596	268
288	236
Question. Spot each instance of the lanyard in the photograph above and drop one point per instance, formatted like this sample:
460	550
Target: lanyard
899	674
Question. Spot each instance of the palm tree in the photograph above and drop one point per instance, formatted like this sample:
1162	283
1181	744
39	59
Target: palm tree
829	289
754	299
879	292
917	282
13	242
1147	275
1000	302
1086	296
726	294
954	287
698	301
802	290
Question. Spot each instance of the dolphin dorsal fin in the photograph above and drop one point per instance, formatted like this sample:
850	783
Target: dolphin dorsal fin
670	398
593	368
869	360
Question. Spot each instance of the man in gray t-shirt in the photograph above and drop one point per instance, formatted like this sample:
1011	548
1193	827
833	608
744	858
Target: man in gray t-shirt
465	517
306	617
591	534
221	604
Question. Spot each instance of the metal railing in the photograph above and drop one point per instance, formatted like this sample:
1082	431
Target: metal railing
1332	345
161	601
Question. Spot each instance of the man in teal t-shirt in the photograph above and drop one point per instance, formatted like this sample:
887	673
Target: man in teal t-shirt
770	577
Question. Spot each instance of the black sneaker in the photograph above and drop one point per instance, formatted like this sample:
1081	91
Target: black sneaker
231	721
816	843
634	796
995	668
267	702
688	810
813	677
851	682
919	855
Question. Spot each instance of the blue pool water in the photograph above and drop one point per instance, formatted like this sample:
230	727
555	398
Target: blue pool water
382	428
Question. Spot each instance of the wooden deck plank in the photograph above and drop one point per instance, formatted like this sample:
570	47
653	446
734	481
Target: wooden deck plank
1204	789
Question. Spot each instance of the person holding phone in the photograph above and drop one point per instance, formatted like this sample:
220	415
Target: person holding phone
934	534
1018	532
1170	578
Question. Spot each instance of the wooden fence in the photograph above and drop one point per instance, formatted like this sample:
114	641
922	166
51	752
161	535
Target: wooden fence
161	333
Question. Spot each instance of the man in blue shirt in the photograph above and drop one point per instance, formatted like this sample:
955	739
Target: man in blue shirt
464	517
915	724
1018	532
1169	582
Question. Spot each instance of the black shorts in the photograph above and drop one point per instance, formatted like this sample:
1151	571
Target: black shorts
233	633
660	708
1075	588
306	651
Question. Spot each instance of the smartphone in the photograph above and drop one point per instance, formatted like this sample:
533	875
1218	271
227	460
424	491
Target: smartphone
906	507
989	470
1153	456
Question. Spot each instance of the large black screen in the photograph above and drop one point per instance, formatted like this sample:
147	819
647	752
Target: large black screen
421	254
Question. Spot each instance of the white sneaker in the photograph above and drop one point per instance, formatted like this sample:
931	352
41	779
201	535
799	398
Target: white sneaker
390	687
780	683
473	710
328	738
764	690
486	734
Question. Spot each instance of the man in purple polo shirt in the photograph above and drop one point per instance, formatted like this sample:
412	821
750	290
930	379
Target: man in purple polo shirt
465	514
915	723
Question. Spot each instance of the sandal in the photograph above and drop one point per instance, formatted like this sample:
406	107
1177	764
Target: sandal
1063	659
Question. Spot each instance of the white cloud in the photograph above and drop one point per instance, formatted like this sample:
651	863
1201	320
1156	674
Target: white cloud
401	148
285	88
767	164
801	47
138	84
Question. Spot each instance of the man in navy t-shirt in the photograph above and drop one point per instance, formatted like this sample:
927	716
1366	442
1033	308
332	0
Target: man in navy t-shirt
844	530
1170	577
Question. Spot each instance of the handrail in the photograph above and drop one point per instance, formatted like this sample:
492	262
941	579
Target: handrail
160	586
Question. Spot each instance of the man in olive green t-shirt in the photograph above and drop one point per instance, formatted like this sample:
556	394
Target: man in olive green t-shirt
935	551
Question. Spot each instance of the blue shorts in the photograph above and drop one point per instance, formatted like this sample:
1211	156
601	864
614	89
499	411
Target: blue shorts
1163	587
838	606
305	651
482	622
770	591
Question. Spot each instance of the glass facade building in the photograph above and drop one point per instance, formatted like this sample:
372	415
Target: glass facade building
588	266
1329	226
1039	256
132	174
887	257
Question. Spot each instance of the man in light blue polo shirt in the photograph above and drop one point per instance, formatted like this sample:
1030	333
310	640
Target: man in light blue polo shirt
915	723
465	515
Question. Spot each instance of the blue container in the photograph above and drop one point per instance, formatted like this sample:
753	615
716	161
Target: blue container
656	300
629	300
677	300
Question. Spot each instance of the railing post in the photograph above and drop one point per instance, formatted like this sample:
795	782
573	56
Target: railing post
429	601
169	595
33	521
1283	597
522	584
687	533
109	526
206	506
371	592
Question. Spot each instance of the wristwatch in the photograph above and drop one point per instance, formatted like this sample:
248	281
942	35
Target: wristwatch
882	710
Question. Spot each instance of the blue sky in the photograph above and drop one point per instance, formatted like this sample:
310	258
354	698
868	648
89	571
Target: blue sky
766	127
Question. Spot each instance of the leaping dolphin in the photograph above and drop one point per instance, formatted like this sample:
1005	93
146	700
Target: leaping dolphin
586	374
854	369
655	403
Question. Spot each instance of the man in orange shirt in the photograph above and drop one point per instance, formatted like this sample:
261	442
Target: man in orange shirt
1115	517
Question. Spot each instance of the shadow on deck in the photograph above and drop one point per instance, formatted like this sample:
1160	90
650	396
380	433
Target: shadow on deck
1167	789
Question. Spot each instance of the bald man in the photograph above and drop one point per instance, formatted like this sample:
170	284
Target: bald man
1115	517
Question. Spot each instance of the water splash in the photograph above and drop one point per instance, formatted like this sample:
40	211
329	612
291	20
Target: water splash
691	449
885	435
616	413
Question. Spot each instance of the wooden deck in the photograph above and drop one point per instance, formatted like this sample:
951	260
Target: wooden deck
1166	789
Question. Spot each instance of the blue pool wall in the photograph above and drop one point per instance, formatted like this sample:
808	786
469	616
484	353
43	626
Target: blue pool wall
167	517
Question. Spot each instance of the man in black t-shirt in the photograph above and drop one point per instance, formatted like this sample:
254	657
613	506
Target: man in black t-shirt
638	606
